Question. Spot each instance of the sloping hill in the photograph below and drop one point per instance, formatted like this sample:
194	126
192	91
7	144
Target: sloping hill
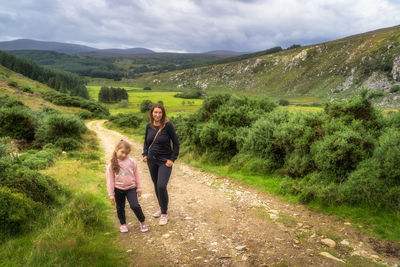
28	44
331	70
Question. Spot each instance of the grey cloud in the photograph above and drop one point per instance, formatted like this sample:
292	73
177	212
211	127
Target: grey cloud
193	25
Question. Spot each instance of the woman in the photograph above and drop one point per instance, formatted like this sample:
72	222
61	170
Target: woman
159	155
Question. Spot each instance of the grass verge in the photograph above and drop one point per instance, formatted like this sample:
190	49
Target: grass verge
78	231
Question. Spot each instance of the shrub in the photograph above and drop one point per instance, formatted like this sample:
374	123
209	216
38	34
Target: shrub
146	88
27	89
34	159
375	94
18	123
84	115
123	104
284	102
8	102
189	95
395	88
16	211
68	143
56	126
341	149
145	106
13	84
40	188
126	120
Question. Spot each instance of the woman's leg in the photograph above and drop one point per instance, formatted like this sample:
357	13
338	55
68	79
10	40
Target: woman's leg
120	204
131	195
164	173
153	168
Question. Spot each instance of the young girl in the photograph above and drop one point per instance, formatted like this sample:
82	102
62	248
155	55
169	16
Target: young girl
123	181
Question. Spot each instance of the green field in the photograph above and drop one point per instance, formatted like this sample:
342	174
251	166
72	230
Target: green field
174	106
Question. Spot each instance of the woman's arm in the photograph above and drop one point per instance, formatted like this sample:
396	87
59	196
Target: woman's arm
145	145
175	149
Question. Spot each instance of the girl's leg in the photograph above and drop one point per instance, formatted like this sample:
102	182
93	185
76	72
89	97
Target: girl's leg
120	204
153	168
131	195
164	173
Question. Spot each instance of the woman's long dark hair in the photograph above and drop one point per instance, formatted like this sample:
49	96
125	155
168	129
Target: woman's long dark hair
164	118
114	161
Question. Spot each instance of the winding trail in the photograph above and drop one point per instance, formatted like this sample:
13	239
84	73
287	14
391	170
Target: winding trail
217	222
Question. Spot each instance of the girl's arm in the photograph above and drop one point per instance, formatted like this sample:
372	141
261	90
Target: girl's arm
137	176
110	178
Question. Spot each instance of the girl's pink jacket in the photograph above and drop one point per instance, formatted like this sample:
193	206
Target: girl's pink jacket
127	178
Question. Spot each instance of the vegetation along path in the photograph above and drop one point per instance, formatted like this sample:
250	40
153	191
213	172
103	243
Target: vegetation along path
215	221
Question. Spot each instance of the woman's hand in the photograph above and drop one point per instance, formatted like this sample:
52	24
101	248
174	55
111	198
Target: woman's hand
169	163
145	159
139	193
112	201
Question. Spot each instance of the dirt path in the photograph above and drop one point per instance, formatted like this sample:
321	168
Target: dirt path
217	222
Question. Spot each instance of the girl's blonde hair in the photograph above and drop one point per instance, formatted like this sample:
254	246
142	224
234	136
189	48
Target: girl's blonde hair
114	160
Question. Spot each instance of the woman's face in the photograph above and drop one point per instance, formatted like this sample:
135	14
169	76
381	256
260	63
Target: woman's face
157	114
122	153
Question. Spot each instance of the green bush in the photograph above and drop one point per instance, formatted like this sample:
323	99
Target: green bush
37	160
283	102
146	88
27	89
57	126
395	88
341	149
68	143
8	102
40	188
50	110
189	95
16	211
13	84
145	106
126	120
17	122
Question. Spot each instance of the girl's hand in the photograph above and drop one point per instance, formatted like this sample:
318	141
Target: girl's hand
145	159
139	193
169	163
112	201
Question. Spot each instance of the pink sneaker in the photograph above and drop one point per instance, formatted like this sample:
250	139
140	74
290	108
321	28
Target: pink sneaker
143	227
157	214
163	219
123	228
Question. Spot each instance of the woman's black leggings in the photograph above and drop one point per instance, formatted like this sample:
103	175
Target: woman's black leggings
160	175
131	195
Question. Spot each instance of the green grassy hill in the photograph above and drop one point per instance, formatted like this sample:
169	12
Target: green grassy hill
333	70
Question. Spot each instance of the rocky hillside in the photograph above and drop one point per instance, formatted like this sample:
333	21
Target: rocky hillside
333	70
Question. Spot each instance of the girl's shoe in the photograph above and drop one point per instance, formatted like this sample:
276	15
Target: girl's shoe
123	228
163	219
143	227
157	214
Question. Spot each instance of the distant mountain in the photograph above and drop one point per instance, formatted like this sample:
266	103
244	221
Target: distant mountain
129	51
224	52
28	44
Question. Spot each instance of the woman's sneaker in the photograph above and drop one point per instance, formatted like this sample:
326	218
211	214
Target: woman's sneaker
143	227
123	228
157	214
163	219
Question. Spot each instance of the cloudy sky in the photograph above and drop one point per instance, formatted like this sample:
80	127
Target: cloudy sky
193	25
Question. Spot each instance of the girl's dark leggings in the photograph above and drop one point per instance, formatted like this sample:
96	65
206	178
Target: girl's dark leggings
131	195
160	175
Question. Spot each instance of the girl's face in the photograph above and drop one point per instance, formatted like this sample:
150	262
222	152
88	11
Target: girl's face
122	153
157	114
